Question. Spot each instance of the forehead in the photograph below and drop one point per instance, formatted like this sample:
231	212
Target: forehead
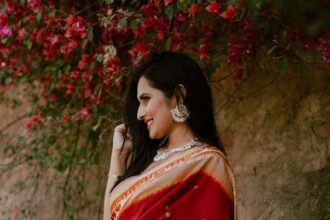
144	86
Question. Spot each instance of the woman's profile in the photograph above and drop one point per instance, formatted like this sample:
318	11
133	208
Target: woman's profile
167	161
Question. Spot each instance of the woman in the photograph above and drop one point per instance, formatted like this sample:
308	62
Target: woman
167	161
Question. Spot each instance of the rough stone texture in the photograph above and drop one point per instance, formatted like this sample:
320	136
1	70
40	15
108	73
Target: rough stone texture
276	129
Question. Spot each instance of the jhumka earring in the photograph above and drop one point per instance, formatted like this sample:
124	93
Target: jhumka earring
180	113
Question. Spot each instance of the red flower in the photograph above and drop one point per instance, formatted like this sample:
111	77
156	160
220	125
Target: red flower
193	9
74	74
67	48
69	88
3	19
228	14
213	7
85	59
139	49
113	65
36	119
204	51
168	2
181	17
65	118
28	125
21	34
75	27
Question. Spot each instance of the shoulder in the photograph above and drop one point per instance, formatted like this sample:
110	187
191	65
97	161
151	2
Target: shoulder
209	153
213	162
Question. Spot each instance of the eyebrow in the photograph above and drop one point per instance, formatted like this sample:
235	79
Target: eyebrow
142	95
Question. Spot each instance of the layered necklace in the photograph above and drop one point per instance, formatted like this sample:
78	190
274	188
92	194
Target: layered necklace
163	153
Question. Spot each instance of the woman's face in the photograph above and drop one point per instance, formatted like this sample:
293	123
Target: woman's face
154	109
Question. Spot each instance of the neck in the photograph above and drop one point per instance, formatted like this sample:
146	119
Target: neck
180	135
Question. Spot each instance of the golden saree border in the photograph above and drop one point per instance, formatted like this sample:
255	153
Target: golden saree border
118	203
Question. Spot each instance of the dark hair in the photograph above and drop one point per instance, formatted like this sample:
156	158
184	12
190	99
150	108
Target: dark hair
165	72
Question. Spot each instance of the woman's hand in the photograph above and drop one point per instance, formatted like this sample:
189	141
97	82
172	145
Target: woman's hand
118	139
120	153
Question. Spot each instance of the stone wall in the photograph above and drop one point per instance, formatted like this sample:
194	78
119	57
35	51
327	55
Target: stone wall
275	125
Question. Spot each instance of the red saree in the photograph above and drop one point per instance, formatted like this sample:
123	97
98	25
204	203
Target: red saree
194	184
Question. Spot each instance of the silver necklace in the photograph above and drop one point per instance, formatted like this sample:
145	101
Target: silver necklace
163	153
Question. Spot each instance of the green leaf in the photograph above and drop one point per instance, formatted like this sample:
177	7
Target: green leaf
90	35
84	43
52	13
169	11
134	24
182	5
28	43
271	50
283	65
22	2
109	1
168	43
39	16
123	22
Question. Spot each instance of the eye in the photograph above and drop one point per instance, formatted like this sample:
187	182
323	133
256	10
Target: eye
145	99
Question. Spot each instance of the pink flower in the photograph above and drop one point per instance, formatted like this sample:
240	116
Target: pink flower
181	17
21	34
85	113
67	48
168	2
204	51
28	125
5	31
35	5
213	7
228	14
193	9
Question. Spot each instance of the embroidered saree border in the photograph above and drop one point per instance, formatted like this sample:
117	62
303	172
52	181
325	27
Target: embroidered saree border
115	208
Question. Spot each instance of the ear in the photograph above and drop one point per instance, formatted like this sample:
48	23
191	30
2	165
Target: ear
180	93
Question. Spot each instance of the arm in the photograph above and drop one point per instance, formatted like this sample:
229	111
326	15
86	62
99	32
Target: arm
117	164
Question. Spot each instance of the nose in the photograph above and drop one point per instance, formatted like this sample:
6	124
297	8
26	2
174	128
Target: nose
140	113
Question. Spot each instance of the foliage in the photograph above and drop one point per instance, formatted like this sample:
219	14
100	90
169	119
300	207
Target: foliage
74	59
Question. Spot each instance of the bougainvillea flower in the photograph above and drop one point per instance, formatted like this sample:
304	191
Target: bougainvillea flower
35	5
67	48
85	113
168	2
85	59
75	27
193	9
21	34
65	118
74	74
139	49
3	19
228	14
204	51
213	7
181	17
5	31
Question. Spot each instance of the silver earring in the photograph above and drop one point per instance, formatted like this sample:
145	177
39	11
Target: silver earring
180	113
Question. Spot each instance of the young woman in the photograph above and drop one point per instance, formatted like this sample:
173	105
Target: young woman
167	161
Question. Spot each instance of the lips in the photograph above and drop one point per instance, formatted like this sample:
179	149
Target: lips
148	122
